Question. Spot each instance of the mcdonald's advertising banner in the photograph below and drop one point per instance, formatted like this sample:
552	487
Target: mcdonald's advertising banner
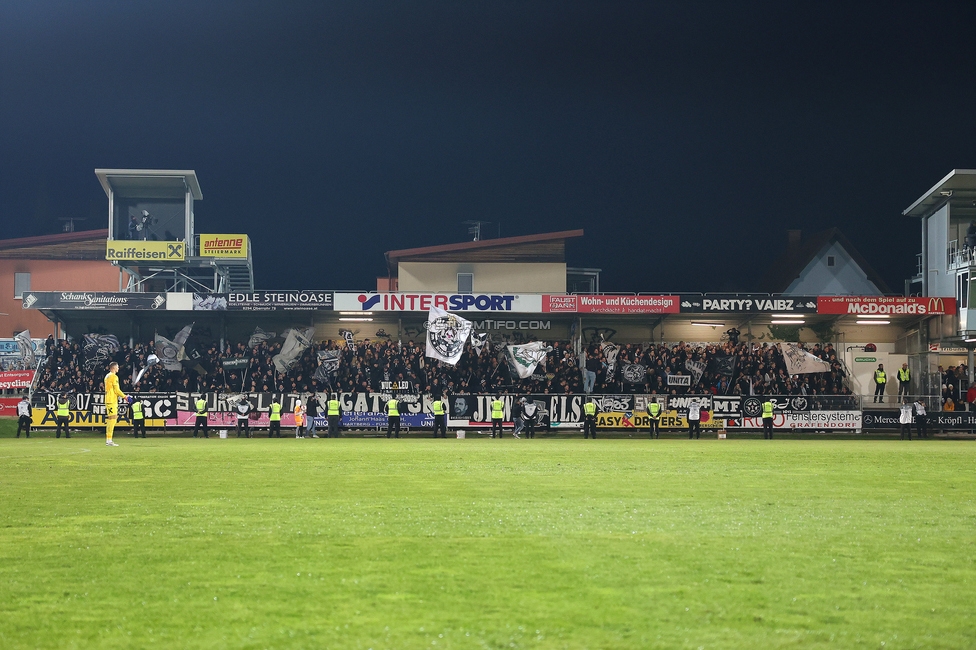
885	305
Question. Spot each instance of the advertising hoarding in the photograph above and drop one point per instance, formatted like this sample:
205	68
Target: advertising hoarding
223	246
885	305
94	300
117	250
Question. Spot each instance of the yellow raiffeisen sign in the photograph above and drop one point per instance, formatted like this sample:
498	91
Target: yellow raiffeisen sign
156	251
228	246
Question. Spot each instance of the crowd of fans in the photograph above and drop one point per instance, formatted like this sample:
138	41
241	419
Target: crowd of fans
756	369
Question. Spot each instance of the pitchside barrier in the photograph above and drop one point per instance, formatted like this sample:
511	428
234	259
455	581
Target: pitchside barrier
473	411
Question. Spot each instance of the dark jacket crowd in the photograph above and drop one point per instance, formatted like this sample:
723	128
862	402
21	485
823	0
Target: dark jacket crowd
756	369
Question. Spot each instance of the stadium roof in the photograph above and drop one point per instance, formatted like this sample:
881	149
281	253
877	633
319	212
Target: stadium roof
959	183
79	245
150	183
543	247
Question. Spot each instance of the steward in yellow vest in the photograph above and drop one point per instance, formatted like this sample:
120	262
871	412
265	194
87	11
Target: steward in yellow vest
393	418
334	413
904	380
880	379
201	420
589	419
497	416
62	416
654	419
138	419
275	419
439	410
767	418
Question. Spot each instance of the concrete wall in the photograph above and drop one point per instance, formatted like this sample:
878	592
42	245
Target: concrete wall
488	277
49	275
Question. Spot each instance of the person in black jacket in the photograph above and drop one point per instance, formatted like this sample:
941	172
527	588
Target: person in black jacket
517	407
311	412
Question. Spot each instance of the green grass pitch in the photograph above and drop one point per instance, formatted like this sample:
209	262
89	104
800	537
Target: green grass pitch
375	543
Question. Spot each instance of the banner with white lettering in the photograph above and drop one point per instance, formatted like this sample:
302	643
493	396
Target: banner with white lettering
748	304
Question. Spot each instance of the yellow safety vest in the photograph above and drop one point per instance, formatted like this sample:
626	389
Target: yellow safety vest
497	409
63	410
137	410
589	408
201	407
767	409
437	407
879	376
655	410
333	407
275	412
391	408
903	375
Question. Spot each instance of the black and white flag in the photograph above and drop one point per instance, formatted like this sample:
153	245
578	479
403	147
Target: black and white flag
98	349
297	340
446	335
26	348
696	368
328	365
610	351
725	365
349	337
171	353
633	373
259	336
799	361
479	340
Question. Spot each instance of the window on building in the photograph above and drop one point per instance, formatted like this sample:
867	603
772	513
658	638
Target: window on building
465	282
21	284
831	261
962	290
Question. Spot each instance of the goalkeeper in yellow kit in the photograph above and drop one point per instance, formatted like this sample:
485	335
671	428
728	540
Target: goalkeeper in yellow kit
112	396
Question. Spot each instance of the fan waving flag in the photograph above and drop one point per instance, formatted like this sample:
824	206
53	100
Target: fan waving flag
446	335
799	361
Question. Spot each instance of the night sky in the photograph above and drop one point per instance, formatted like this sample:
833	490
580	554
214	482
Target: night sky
684	137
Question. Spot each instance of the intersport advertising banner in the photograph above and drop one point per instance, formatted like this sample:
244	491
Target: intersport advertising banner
452	302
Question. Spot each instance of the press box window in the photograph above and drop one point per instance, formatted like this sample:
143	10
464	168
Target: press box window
830	260
21	284
465	282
